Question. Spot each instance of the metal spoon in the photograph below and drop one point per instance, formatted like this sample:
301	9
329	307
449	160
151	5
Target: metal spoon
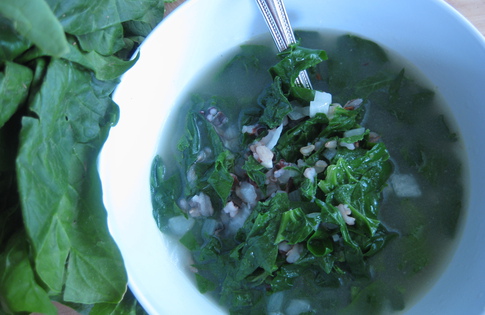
274	13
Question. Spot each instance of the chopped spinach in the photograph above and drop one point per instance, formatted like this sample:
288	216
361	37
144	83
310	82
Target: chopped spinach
315	227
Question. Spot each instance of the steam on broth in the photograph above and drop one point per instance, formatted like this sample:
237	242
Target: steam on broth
418	217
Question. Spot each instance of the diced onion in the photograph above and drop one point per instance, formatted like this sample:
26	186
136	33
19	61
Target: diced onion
231	209
329	154
247	193
299	112
236	222
320	103
320	166
405	185
294	253
284	246
310	173
271	139
275	302
307	150
354	132
251	129
201	205
283	175
346	212
180	225
264	155
297	307
322	97
349	146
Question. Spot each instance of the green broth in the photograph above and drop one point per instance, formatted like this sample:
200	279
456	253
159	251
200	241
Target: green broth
423	143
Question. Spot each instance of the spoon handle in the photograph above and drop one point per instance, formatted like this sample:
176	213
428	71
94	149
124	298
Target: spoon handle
274	13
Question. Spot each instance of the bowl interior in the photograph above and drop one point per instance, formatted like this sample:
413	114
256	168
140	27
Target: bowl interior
440	42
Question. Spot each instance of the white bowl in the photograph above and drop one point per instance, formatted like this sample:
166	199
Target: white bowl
439	41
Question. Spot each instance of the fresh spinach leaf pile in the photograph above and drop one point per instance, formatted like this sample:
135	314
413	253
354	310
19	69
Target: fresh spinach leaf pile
307	217
59	63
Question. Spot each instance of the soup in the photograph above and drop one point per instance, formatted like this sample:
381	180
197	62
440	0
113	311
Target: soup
416	221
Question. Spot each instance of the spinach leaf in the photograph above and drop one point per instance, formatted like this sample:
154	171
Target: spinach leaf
109	27
250	59
35	21
165	191
365	59
79	17
104	67
56	114
357	182
57	174
404	96
275	104
270	210
342	120
19	289
106	41
258	251
375	298
122	38
308	189
190	143
285	277
293	139
221	179
12	44
295	227
259	234
256	172
205	285
128	306
294	60
331	214
321	244
337	174
14	86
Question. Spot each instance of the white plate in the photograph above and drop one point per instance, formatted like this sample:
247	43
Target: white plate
428	32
